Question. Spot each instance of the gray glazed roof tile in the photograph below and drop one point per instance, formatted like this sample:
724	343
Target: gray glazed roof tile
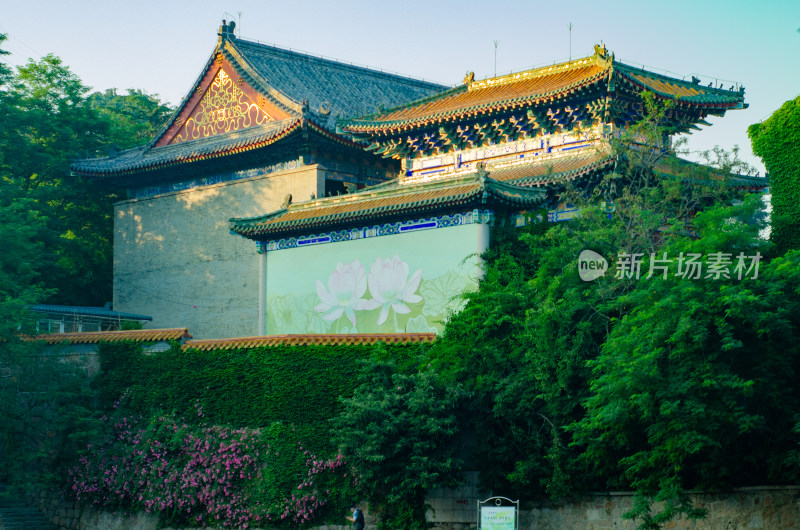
346	90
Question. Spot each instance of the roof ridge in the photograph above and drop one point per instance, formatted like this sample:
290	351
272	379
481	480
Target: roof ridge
441	95
397	187
308	339
390	188
143	335
240	61
179	107
538	71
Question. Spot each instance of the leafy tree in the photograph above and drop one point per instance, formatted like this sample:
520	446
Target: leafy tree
54	120
692	388
57	248
24	255
134	118
777	142
527	346
397	431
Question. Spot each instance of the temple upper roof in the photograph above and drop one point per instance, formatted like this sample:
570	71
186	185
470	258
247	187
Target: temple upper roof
589	90
332	89
250	93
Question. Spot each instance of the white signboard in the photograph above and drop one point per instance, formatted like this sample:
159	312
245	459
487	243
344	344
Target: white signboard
497	517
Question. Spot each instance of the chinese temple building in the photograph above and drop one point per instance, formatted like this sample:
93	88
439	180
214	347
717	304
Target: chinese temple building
368	196
393	258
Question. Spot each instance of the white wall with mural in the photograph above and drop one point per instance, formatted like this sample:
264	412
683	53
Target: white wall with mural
408	282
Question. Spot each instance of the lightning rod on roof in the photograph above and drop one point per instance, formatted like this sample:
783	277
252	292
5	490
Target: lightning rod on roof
570	41
495	57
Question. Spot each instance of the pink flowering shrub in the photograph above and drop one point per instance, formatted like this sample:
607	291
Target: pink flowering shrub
207	475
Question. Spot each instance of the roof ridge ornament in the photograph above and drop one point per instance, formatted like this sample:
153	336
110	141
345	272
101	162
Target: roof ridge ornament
469	78
600	50
602	55
481	172
226	31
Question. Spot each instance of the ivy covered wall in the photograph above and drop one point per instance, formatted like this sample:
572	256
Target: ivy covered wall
255	388
777	142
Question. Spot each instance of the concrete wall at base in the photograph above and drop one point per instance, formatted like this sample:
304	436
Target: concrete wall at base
176	260
767	508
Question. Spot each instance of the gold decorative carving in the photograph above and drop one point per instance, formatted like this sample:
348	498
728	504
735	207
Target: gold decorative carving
224	108
600	50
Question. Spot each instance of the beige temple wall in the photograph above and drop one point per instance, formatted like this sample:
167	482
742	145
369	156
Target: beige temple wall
176	260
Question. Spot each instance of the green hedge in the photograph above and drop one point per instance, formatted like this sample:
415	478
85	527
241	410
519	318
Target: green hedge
298	385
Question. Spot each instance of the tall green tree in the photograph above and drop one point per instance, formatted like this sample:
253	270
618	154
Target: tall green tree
53	120
134	118
777	142
528	344
56	238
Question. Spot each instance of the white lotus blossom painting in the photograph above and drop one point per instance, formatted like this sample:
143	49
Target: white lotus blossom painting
343	295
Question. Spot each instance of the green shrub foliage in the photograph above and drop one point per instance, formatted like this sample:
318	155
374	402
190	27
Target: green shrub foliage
398	432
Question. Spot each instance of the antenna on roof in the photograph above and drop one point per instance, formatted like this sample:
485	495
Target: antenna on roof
570	41
495	57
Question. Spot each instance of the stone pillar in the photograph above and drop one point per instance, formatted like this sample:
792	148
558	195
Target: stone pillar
262	294
482	244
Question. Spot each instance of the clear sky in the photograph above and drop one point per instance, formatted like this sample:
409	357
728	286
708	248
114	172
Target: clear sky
161	46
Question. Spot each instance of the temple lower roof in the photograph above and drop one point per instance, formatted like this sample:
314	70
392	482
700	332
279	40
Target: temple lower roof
520	185
99	312
146	158
391	200
556	170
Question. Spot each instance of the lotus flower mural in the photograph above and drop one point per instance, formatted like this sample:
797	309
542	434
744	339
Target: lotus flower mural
408	284
346	286
391	288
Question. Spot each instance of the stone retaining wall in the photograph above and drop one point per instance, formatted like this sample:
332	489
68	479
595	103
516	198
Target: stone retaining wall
769	508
